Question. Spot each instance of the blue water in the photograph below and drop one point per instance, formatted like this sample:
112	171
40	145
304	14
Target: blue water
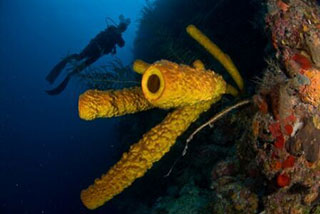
47	154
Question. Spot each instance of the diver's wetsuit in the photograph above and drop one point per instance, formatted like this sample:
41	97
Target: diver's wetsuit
104	43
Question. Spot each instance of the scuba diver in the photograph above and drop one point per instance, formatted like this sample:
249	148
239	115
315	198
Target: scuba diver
104	43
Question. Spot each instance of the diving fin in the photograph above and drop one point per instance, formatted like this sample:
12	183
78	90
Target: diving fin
54	73
60	87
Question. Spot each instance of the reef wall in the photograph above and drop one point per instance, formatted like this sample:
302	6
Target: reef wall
286	131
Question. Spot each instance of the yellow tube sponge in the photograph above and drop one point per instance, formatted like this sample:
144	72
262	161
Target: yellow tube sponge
197	64
134	164
140	66
166	84
216	52
98	104
231	90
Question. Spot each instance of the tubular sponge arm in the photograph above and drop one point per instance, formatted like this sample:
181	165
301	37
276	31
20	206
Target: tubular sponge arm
140	66
98	104
134	164
216	52
169	85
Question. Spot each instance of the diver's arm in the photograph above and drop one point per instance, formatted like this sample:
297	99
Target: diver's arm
75	71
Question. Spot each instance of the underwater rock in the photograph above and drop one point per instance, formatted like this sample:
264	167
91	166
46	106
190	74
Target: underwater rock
307	140
235	197
233	189
313	44
191	200
281	202
223	168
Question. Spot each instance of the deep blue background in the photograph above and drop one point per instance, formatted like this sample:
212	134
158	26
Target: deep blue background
47	154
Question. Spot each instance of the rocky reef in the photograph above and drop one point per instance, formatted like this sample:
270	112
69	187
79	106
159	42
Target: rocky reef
286	134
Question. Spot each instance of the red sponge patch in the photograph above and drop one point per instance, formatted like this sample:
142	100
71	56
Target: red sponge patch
303	61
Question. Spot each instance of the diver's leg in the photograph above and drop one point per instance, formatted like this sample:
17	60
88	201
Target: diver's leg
54	73
77	70
87	62
91	60
60	87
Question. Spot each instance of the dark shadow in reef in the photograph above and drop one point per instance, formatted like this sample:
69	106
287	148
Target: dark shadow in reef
237	27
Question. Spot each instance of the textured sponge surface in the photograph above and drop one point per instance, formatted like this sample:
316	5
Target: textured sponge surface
180	85
97	104
134	164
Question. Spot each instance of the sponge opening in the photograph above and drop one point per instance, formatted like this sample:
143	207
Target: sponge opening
153	83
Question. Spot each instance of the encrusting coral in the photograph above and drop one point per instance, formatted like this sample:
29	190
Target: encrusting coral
190	90
285	130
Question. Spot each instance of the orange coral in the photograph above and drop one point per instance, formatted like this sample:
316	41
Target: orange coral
311	93
283	6
289	129
289	162
279	142
275	129
276	165
283	180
